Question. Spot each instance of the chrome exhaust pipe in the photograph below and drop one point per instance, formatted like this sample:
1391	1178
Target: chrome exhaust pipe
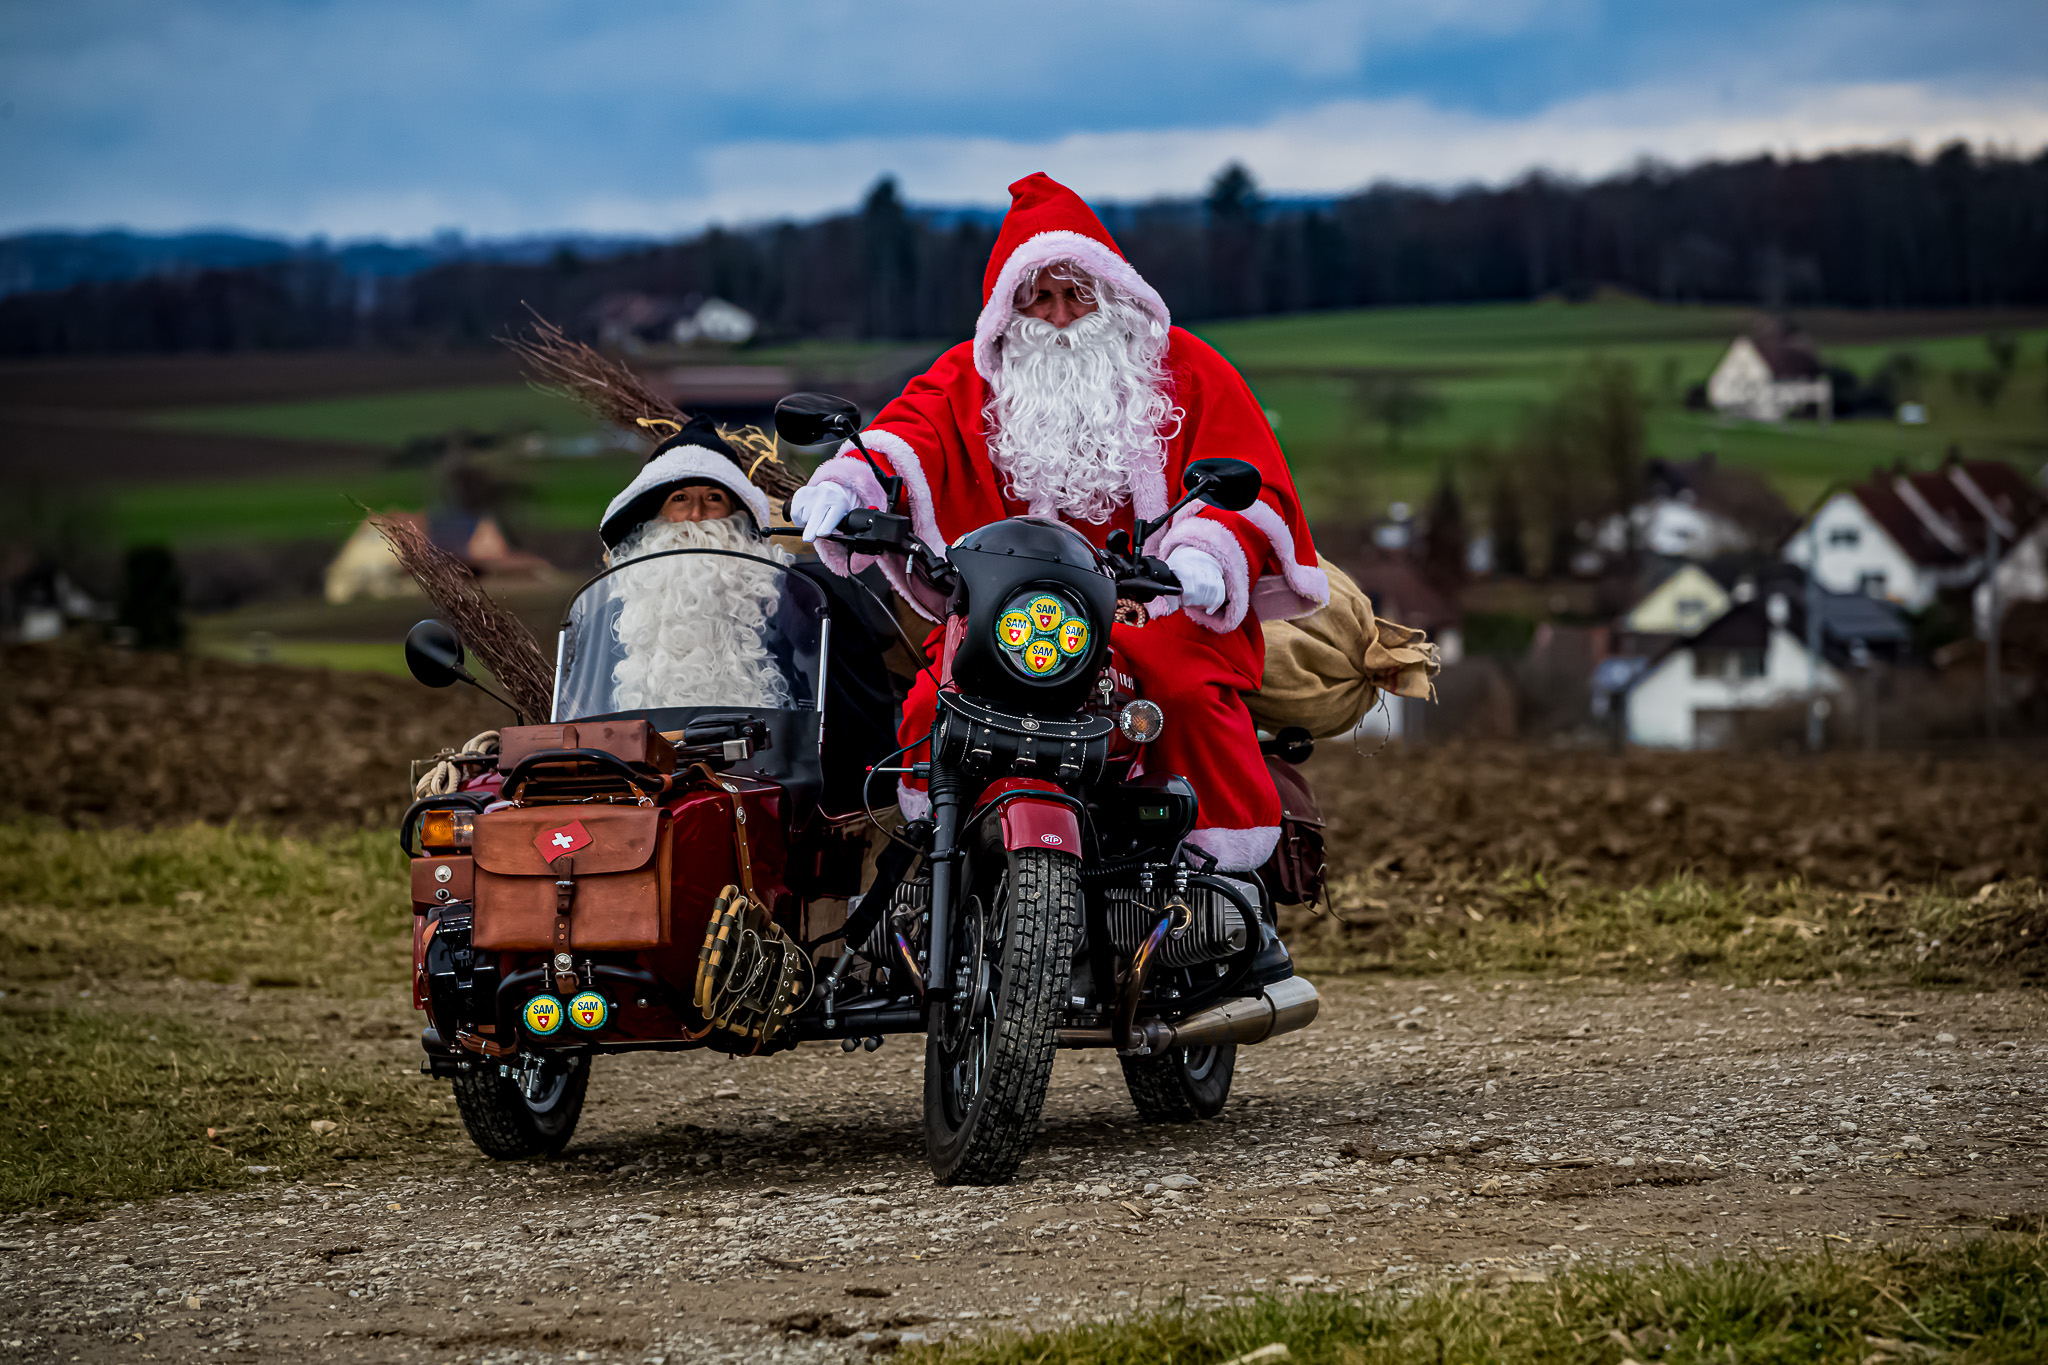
1280	1008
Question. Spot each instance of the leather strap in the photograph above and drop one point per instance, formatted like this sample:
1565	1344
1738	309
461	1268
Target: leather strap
742	849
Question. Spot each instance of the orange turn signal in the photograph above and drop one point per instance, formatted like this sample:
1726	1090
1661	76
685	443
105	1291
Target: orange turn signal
447	828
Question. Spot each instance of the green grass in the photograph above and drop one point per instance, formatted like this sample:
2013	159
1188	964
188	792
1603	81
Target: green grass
160	984
203	904
1982	1301
1491	364
388	419
1687	927
100	1103
286	507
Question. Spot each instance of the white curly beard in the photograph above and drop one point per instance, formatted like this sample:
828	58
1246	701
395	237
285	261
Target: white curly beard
692	625
1075	414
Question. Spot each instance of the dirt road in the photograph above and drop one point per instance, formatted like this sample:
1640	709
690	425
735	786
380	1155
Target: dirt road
719	1209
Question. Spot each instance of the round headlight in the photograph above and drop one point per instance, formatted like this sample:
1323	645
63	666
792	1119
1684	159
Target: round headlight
1043	634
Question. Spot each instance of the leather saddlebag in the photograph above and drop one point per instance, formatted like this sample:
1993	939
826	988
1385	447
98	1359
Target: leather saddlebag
1295	873
635	741
617	860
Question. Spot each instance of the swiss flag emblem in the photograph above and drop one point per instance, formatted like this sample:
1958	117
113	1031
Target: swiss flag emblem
553	843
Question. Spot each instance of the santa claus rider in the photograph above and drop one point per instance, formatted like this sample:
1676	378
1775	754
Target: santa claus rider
1078	399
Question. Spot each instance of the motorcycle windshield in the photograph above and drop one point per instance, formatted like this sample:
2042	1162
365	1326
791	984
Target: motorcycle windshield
689	633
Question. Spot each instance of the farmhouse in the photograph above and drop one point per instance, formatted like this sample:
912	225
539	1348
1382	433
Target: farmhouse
1768	375
365	566
1907	537
1697	509
1753	658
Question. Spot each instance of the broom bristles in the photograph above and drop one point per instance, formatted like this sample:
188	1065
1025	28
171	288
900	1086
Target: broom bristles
611	391
497	637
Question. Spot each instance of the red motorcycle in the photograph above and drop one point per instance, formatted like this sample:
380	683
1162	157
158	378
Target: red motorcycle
621	880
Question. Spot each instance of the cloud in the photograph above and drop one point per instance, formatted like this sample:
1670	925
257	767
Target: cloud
378	117
1343	145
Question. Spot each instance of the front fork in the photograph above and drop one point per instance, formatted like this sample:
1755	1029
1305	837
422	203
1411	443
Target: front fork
944	786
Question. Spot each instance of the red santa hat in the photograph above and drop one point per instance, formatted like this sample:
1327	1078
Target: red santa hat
1047	222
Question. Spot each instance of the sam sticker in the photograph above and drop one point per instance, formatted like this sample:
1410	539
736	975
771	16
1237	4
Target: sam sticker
543	1015
1046	613
1073	636
1040	656
1014	629
587	1011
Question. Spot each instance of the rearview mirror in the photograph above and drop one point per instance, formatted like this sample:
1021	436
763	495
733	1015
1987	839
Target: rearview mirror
812	419
1222	482
433	655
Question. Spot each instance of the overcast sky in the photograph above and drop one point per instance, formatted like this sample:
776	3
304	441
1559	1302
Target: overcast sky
495	117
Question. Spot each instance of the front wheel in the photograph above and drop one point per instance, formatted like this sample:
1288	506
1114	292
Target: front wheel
528	1113
1181	1086
987	1066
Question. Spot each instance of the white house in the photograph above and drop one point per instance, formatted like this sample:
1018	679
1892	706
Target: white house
2022	576
1907	537
1699	509
1751	659
1768	375
1687	601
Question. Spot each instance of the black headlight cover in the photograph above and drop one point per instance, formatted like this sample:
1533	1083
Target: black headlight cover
1050	577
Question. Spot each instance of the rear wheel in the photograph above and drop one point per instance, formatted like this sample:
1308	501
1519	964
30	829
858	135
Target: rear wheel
528	1113
1181	1086
987	1066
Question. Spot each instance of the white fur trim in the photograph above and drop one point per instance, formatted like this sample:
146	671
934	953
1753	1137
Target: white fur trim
1219	544
1299	588
1237	850
916	805
1042	250
924	516
694	462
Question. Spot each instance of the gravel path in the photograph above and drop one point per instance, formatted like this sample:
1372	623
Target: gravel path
779	1209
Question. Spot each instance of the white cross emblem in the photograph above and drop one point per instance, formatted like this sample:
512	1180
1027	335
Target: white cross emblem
562	840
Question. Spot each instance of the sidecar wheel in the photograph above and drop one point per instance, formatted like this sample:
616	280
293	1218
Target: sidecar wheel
504	1124
986	1071
1181	1087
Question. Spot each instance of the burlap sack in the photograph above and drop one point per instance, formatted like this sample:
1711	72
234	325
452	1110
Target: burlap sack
1323	670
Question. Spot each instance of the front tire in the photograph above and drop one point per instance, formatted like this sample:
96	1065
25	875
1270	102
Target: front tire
1182	1086
506	1125
987	1068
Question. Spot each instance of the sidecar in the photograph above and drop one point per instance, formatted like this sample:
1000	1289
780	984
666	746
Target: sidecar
630	879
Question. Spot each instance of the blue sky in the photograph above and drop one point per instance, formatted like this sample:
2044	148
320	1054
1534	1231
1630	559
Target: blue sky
495	117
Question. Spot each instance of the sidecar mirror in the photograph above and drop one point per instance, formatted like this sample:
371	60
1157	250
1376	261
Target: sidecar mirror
1222	482
433	655
812	419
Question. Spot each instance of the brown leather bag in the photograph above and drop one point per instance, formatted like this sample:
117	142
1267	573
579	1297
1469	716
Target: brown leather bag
1295	872
616	862
635	741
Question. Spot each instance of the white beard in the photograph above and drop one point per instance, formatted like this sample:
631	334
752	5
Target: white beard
1075	415
692	625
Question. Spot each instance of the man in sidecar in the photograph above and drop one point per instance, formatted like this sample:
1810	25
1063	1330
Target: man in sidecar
700	629
1078	400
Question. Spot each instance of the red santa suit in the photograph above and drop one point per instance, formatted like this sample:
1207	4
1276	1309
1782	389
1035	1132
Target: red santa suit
1194	663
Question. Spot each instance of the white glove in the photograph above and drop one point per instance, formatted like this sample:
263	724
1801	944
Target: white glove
1201	578
820	507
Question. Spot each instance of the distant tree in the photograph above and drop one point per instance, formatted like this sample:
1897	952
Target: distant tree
1234	208
1602	415
152	601
1394	403
1504	524
1444	538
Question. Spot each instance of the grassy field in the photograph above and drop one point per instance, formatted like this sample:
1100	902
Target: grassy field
1981	1300
1488	365
559	493
389	419
179	1010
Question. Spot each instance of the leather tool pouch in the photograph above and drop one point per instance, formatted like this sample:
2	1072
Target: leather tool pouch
615	888
634	741
1295	872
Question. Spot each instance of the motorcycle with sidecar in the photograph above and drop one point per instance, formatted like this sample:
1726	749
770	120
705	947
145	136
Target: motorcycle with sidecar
620	880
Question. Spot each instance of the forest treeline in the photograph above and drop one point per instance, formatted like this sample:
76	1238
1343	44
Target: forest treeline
1863	229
